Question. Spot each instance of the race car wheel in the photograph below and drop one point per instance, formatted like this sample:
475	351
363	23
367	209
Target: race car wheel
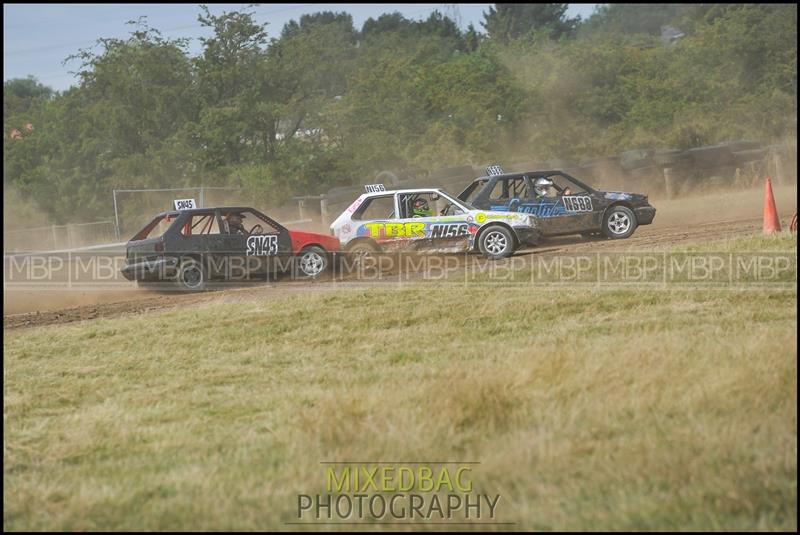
360	253
312	261
191	275
619	223
362	248
496	242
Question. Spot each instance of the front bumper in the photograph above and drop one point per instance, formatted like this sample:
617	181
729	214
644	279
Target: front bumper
528	236
644	214
150	270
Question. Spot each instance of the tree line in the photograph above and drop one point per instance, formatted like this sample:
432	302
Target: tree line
323	103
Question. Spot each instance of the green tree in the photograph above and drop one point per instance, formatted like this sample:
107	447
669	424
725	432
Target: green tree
511	21
19	94
634	18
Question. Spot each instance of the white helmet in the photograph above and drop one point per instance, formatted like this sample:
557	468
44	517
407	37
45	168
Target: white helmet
542	185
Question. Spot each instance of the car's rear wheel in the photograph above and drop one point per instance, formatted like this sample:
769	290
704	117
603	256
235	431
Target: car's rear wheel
312	261
359	252
496	242
619	222
362	248
191	275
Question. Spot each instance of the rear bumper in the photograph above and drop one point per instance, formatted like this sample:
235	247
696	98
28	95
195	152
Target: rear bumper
644	214
150	270
528	236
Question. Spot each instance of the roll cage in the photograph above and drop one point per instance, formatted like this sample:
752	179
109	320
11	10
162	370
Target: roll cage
513	187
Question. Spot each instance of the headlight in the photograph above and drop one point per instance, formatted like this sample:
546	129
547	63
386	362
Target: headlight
531	221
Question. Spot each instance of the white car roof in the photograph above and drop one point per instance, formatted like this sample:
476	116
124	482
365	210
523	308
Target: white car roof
393	191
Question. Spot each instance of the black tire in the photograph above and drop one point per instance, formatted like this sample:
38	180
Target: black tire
311	262
496	242
360	254
362	247
619	222
191	275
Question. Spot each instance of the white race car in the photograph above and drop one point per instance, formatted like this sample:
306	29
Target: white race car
429	219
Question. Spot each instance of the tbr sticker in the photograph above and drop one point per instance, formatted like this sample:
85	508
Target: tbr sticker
262	245
395	230
480	218
578	203
449	230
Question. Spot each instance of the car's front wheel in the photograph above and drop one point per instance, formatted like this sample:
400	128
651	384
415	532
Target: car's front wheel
312	261
496	242
191	275
619	223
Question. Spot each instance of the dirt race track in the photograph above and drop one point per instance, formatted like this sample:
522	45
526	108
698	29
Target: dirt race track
695	219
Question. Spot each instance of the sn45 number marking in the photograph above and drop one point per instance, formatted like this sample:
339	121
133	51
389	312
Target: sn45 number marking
262	245
578	203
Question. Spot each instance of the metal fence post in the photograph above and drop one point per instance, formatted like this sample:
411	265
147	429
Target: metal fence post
323	210
116	216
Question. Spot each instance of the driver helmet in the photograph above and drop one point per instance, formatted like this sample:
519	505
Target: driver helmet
420	208
235	220
542	186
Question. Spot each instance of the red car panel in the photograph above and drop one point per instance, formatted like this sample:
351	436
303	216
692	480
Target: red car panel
301	239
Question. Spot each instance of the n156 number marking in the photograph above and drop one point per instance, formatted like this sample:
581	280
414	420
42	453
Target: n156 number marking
578	203
451	230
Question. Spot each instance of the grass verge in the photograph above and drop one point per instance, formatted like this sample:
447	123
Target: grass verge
623	408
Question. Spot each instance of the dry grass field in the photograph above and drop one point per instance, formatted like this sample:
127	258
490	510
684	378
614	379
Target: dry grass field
604	408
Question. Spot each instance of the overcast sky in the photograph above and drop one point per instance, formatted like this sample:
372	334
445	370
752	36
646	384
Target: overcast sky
38	37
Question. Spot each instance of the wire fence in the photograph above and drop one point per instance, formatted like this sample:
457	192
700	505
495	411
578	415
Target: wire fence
59	237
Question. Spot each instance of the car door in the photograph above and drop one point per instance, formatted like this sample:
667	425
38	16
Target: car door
192	236
201	234
578	203
268	245
560	210
434	231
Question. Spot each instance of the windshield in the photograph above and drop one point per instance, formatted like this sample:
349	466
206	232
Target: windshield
448	199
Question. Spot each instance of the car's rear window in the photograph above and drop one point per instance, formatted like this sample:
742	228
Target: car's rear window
469	194
156	228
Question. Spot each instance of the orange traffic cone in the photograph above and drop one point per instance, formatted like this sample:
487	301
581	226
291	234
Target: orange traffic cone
771	222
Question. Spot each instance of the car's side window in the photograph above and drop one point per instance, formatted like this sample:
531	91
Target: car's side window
423	204
257	225
499	191
375	208
200	225
517	187
509	189
565	186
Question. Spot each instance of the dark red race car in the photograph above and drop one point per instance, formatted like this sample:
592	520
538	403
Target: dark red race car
193	247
